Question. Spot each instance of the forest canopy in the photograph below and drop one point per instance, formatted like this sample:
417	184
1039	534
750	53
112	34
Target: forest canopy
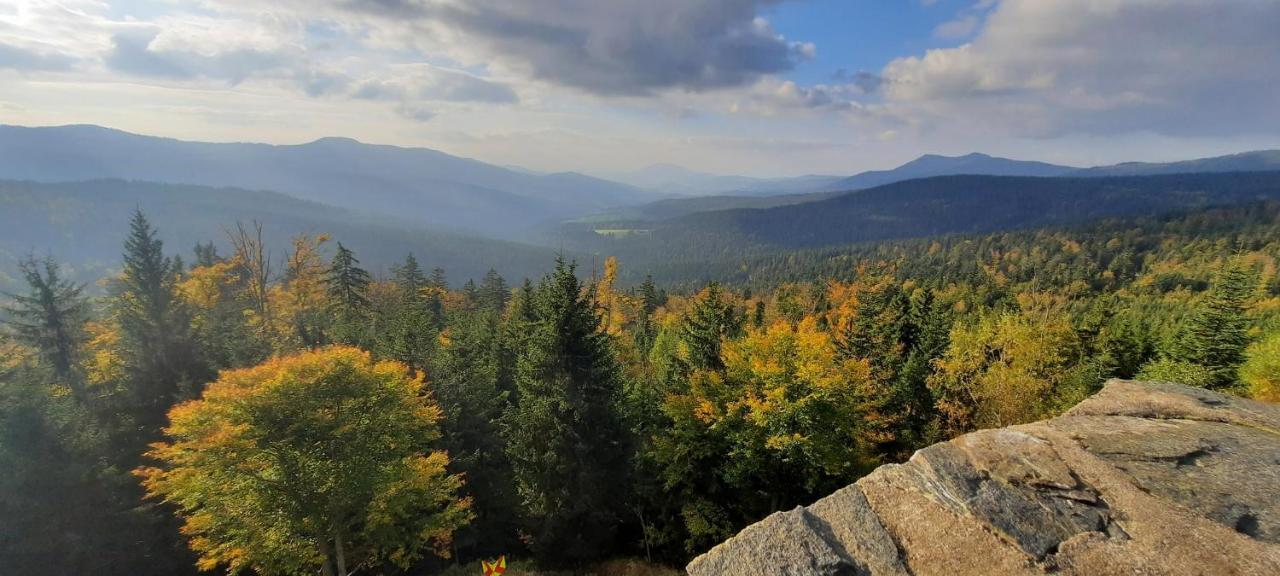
300	413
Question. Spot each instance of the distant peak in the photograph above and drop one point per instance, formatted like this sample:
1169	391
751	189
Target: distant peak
960	157
336	141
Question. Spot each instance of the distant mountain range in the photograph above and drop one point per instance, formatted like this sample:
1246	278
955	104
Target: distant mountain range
83	225
817	188
953	205
935	165
69	190
1256	161
415	185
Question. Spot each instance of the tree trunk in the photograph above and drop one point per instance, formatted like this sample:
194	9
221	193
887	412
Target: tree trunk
340	554
326	568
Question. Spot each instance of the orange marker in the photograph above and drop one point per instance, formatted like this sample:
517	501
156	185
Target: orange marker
495	568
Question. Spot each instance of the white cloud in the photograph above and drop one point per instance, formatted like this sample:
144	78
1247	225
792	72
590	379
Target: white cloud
427	82
1047	67
959	28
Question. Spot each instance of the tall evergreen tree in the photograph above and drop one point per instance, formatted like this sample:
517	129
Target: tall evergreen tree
411	333
50	318
1216	335
493	291
207	254
161	366
472	381
566	439
347	285
705	327
155	328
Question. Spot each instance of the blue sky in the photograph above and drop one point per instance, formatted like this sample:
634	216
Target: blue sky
759	87
861	35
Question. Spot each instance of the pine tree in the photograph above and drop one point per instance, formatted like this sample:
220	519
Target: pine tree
926	337
649	296
566	440
1216	335
471	379
155	327
439	285
348	287
471	293
50	318
494	291
705	327
411	332
207	254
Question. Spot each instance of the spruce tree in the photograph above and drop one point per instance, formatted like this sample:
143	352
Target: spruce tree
471	379
411	332
155	327
649	296
50	318
566	439
1216	335
207	254
493	291
705	327
347	286
471	293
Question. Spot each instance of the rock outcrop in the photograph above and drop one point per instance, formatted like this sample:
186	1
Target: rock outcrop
1142	478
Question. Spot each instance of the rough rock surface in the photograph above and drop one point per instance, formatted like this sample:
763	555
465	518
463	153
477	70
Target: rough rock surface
1142	478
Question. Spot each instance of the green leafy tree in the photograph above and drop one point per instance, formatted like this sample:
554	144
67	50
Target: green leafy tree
321	461
65	509
1178	371
566	439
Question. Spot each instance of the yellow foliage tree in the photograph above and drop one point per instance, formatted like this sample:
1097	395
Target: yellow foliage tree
1261	369
1005	369
300	302
317	461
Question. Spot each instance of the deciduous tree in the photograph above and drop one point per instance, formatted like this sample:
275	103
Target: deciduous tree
318	461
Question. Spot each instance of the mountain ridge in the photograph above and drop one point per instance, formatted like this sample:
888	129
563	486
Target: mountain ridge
413	184
83	225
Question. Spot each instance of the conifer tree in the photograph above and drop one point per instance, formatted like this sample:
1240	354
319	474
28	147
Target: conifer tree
471	293
705	327
472	383
207	254
50	319
411	332
155	329
1216	335
493	291
565	436
347	285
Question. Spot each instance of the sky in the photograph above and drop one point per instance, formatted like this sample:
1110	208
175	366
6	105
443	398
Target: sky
752	87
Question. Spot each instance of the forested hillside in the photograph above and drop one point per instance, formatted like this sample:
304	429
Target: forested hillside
567	420
680	249
83	223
